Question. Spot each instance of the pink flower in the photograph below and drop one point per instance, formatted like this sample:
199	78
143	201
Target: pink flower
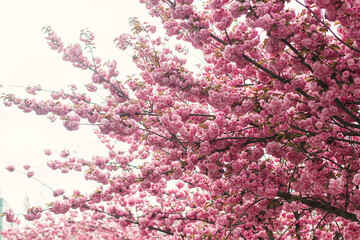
177	173
71	122
10	216
73	87
87	37
26	167
357	179
295	157
47	152
154	2
58	192
123	41
53	40
321	70
33	90
60	207
10	168
30	174
275	149
91	87
237	9
64	153
33	213
336	186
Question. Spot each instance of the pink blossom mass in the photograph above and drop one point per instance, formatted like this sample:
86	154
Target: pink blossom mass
260	142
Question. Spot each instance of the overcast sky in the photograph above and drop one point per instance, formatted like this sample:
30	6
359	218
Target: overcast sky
26	59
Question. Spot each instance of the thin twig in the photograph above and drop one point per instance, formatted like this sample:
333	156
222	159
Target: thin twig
328	28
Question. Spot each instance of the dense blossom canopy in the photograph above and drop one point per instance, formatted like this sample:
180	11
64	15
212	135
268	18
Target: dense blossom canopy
262	142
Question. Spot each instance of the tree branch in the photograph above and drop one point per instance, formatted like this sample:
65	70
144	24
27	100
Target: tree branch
318	205
317	18
347	111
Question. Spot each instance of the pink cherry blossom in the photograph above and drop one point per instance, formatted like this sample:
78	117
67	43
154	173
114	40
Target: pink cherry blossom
10	168
10	216
58	192
30	174
47	152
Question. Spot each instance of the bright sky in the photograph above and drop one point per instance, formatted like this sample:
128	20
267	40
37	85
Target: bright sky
26	59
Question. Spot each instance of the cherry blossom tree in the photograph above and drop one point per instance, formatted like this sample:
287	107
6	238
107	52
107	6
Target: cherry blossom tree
260	142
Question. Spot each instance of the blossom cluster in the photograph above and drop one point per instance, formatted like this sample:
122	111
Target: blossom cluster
261	143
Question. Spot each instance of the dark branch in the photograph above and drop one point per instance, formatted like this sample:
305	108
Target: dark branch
318	205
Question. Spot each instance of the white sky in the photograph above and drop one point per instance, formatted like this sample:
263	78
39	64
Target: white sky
26	59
